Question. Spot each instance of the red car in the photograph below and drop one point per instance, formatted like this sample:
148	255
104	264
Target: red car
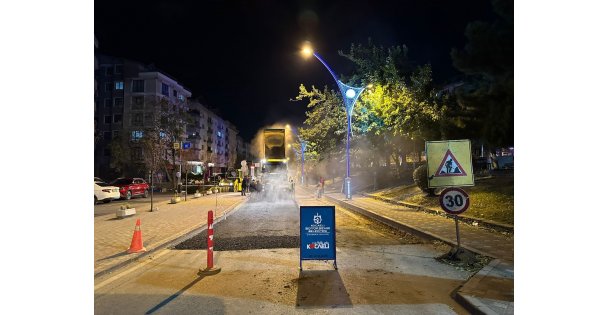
131	187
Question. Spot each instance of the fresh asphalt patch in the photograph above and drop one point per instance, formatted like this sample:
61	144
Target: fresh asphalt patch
241	243
261	223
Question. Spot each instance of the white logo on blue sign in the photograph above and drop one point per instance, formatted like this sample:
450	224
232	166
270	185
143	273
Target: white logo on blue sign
317	219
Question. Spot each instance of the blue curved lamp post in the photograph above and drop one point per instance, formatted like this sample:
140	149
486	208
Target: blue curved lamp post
302	148
350	94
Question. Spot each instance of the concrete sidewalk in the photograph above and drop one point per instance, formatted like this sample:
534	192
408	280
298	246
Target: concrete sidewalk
490	291
113	236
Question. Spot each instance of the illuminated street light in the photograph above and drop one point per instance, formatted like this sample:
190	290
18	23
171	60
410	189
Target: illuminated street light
350	94
307	50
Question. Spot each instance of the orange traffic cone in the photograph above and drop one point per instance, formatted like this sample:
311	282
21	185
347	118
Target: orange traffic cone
137	244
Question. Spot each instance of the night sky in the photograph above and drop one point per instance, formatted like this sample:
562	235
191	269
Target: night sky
243	57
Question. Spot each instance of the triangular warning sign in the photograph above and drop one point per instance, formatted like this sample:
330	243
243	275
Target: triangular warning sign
450	166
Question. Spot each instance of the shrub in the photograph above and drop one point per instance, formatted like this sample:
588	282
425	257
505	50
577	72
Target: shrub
421	180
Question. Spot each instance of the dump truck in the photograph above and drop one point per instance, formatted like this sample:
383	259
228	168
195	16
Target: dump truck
274	165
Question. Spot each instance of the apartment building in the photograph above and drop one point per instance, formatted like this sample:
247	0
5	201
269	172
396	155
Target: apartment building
243	149
109	110
212	139
231	145
128	94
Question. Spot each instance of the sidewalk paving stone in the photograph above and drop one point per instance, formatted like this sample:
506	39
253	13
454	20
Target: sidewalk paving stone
490	291
113	236
494	244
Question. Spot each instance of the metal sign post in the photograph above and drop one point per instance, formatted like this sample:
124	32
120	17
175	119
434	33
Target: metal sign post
454	201
457	234
151	191
186	184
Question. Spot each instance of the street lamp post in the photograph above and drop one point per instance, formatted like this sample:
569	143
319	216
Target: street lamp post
350	94
302	149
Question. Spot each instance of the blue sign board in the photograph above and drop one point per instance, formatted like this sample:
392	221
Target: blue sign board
318	233
186	145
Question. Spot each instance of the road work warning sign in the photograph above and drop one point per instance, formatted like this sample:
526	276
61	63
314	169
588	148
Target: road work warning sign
449	163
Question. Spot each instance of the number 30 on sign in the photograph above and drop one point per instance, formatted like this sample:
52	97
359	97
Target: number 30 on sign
454	200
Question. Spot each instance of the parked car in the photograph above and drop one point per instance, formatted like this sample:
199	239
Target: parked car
130	187
105	192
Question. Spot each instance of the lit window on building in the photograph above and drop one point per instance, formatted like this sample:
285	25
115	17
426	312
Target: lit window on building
119	85
136	134
180	97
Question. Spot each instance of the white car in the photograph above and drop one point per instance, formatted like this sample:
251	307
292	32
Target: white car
105	192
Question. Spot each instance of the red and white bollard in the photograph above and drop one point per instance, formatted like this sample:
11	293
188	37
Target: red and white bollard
210	239
210	270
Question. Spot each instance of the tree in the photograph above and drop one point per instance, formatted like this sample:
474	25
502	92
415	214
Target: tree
164	124
173	118
487	60
155	143
325	120
395	104
398	108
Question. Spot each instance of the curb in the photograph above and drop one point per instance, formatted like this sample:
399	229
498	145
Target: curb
464	218
174	241
471	303
403	227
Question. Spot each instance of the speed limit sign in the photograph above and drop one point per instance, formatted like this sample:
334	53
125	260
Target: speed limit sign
454	200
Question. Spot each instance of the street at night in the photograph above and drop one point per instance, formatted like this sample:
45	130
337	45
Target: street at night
303	157
380	270
350	160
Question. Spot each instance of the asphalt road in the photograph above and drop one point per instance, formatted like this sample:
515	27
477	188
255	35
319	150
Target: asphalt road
380	270
264	223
